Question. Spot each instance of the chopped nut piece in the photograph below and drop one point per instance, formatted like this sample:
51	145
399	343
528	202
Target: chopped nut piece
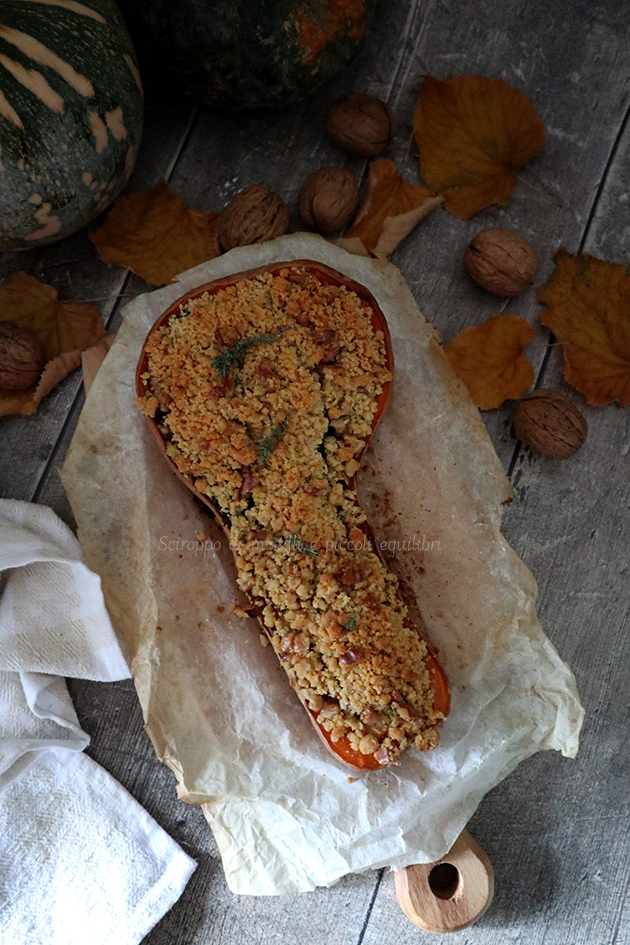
239	611
351	656
368	744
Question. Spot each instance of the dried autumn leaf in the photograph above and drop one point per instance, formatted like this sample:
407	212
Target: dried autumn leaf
473	133
64	328
153	233
391	209
489	359
55	371
92	358
351	245
588	310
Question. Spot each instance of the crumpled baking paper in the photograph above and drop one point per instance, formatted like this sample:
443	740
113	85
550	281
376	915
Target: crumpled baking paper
219	708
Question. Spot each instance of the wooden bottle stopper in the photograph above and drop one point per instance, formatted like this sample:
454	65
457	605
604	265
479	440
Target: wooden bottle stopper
450	893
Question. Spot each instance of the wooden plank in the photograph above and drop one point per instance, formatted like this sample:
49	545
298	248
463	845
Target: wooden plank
223	154
227	152
556	832
207	911
565	64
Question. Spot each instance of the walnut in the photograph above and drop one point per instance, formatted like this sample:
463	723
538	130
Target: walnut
501	261
22	357
549	422
255	215
361	124
328	199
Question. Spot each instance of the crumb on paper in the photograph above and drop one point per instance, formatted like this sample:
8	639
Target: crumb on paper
201	536
264	640
238	610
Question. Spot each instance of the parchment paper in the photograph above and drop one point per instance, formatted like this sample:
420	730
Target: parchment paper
218	707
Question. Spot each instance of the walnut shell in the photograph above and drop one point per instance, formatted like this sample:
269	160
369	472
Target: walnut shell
328	199
255	215
549	422
22	357
501	261
361	124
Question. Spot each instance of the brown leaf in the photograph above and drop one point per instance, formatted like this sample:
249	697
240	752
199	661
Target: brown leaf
588	310
391	209
489	359
92	358
152	233
473	133
64	328
352	245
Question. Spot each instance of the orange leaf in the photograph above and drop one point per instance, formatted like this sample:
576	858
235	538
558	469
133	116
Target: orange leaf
152	233
391	209
588	310
64	328
489	359
473	133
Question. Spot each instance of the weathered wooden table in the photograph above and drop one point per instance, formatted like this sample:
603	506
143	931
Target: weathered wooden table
557	831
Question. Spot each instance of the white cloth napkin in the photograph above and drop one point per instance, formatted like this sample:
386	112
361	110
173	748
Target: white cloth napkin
80	860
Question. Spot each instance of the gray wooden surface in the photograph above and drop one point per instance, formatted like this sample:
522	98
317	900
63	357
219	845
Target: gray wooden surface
557	831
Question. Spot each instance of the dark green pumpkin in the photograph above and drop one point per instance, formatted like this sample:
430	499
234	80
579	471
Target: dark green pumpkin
249	53
70	116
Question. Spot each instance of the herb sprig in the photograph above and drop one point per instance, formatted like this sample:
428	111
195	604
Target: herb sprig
270	442
350	624
229	356
303	547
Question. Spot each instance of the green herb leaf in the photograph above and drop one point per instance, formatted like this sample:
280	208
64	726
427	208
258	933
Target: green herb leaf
350	624
270	442
229	356
303	547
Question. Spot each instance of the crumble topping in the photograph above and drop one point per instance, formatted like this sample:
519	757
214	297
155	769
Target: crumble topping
265	392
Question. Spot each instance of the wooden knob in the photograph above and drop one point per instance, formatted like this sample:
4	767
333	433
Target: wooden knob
451	893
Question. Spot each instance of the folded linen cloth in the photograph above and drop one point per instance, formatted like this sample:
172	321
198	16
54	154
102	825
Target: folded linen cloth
80	860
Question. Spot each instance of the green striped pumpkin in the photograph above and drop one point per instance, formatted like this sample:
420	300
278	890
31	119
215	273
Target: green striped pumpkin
249	53
70	116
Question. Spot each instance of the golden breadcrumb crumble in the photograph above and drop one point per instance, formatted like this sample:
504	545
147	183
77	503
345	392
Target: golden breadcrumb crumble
265	392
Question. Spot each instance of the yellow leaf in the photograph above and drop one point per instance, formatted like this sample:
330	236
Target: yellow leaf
489	359
588	310
391	209
152	233
64	328
473	133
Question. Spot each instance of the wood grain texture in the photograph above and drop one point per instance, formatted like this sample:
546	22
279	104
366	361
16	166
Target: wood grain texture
556	831
450	894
